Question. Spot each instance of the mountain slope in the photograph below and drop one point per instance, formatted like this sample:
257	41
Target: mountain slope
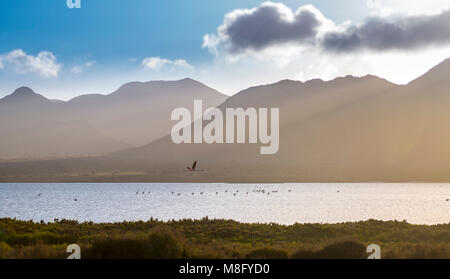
32	126
139	112
346	129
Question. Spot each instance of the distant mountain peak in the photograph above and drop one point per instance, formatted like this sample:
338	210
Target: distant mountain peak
24	94
150	87
24	90
288	81
188	79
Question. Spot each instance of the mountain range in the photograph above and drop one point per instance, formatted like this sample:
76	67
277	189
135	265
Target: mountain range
34	127
347	129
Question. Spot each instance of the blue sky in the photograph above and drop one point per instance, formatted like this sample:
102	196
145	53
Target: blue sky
104	44
113	30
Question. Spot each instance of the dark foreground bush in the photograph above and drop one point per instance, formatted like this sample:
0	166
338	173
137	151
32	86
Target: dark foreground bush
221	239
340	250
267	253
161	244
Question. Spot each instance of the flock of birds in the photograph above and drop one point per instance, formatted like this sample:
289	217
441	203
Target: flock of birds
261	191
257	191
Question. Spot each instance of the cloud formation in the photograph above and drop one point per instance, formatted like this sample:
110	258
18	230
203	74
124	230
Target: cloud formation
157	63
407	7
44	64
272	25
264	26
78	69
379	34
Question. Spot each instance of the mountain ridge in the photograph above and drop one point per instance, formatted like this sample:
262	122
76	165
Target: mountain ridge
24	94
130	115
347	129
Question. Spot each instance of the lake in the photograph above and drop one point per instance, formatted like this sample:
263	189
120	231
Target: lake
290	203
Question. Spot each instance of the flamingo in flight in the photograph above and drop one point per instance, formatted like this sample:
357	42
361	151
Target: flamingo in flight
193	166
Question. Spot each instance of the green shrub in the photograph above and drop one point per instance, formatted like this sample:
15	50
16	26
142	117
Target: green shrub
159	244
339	250
223	239
267	253
4	250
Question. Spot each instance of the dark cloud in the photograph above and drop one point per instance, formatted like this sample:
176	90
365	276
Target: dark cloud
380	34
269	25
273	24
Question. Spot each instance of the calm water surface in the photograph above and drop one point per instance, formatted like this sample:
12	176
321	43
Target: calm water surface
286	203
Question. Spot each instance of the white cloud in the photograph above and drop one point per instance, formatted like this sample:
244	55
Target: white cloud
157	63
78	69
90	63
44	64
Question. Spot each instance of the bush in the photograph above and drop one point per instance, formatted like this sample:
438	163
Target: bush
267	253
223	239
159	244
40	250
4	250
164	244
339	250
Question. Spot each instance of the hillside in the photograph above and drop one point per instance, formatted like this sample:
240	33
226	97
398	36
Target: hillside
33	126
347	129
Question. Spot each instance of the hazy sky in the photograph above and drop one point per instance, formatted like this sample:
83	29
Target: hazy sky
228	45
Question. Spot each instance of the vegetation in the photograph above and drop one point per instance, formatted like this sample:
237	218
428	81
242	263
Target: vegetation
221	239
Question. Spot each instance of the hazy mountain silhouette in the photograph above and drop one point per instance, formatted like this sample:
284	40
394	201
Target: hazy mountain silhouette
24	96
33	126
347	129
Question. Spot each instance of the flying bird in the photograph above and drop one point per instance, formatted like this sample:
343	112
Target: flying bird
193	166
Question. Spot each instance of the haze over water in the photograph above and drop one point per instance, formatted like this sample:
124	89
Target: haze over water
305	203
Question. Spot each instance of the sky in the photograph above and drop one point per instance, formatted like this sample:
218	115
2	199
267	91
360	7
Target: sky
228	45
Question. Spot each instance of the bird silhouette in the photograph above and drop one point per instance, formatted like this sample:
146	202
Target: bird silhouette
193	166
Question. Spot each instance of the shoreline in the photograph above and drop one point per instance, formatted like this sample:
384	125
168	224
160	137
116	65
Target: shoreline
56	220
183	179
